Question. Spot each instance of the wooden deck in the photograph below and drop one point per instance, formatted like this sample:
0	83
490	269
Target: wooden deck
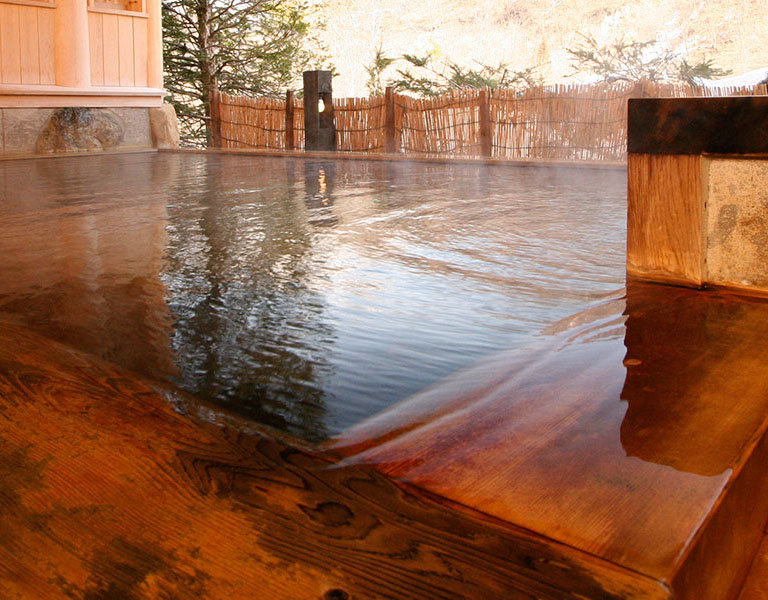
114	488
565	471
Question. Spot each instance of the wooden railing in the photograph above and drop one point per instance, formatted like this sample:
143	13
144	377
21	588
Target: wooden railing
561	122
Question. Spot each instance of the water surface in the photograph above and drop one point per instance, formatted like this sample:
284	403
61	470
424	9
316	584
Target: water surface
306	294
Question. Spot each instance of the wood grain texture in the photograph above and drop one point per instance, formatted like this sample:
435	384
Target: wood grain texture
29	38
126	50
665	221
639	446
45	19
10	44
731	125
113	488
756	585
111	46
140	56
96	37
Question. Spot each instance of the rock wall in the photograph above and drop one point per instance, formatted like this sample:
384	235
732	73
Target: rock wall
59	130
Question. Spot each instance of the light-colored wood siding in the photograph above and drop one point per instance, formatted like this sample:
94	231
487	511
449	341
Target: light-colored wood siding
118	49
10	44
26	45
96	35
45	17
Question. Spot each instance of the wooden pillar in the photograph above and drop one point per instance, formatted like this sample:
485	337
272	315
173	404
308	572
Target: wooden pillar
486	138
72	44
697	206
391	145
154	44
216	138
290	143
319	125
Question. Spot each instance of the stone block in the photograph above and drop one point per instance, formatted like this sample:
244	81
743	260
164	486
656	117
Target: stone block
136	127
80	130
164	127
22	127
737	223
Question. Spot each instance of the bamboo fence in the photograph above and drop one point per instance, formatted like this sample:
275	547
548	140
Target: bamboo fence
561	122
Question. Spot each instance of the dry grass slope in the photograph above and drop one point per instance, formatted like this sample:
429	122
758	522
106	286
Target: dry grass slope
537	32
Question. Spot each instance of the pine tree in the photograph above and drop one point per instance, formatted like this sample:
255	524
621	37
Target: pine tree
252	47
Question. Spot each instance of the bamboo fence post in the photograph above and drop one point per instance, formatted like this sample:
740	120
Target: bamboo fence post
486	139
290	143
390	140
215	123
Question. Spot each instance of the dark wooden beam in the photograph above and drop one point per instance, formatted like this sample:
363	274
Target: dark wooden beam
731	125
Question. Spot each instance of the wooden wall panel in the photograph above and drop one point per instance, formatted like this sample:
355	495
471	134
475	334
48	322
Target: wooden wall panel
47	58
118	50
96	36
10	45
111	50
140	41
29	42
125	50
665	228
26	45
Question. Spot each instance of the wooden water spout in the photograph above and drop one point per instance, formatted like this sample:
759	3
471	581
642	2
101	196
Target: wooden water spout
318	111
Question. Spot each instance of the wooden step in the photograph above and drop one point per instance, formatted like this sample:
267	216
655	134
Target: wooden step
642	442
623	457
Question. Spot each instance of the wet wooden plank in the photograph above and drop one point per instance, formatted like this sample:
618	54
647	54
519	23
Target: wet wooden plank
756	585
642	444
111	488
666	220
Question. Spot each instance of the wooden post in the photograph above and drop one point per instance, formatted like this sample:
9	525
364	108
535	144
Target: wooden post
154	44
320	131
72	44
391	145
290	143
486	139
216	138
696	206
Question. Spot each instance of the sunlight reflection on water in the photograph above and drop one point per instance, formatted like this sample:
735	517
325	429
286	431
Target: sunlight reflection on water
306	294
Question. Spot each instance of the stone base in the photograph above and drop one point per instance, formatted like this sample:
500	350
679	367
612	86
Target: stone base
49	130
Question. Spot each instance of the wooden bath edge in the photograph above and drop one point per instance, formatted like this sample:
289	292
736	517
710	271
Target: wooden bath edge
341	155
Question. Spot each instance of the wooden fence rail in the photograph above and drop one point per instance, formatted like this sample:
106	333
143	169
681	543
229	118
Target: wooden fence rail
560	122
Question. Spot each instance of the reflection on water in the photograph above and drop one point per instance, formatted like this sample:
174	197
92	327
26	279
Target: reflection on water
307	294
80	254
616	433
696	387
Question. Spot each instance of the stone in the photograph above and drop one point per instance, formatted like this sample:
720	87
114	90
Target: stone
80	130
737	222
22	127
164	126
136	127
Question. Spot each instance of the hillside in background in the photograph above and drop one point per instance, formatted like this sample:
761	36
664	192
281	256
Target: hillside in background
526	33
